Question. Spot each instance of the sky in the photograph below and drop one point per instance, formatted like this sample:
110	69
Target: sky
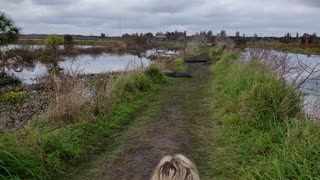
115	17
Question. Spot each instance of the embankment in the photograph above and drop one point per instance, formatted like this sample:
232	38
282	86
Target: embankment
259	131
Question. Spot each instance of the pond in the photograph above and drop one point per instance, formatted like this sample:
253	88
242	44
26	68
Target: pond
84	64
61	47
87	64
299	69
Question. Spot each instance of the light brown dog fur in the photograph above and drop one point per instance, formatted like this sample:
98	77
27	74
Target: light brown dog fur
176	167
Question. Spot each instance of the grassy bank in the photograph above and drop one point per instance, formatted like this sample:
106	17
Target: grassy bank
258	130
42	150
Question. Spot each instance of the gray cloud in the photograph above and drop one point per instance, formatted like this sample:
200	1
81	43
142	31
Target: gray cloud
167	6
312	3
271	17
52	2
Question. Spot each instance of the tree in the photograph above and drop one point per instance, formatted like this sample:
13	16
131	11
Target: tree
103	35
288	35
9	33
68	39
149	35
297	36
286	39
314	35
237	34
159	34
223	34
53	41
140	40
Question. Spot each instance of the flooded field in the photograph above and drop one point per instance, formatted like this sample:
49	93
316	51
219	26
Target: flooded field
86	64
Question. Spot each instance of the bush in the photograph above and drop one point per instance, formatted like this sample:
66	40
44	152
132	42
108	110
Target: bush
68	39
13	97
215	53
8	80
154	73
137	83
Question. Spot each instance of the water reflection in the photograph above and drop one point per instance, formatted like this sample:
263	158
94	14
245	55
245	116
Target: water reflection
84	64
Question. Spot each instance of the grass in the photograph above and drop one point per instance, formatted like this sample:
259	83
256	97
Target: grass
257	130
41	152
179	66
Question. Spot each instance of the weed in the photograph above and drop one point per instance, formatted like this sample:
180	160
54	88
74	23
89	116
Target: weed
13	97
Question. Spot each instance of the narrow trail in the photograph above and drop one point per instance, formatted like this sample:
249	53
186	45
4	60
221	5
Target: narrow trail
163	126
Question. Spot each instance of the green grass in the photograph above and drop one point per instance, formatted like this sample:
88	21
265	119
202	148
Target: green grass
179	66
41	153
262	133
255	129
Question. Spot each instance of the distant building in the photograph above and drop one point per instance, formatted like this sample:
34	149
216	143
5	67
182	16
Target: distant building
160	38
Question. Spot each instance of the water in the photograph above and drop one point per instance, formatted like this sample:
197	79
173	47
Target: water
161	52
296	68
61	47
84	64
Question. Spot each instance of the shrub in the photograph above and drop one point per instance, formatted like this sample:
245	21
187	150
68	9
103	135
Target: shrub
154	73
8	80
53	41
137	83
68	39
214	53
13	97
69	94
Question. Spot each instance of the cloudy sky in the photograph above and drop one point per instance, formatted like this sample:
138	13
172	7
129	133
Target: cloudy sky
114	17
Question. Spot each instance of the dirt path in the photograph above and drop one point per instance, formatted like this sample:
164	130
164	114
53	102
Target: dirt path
162	127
